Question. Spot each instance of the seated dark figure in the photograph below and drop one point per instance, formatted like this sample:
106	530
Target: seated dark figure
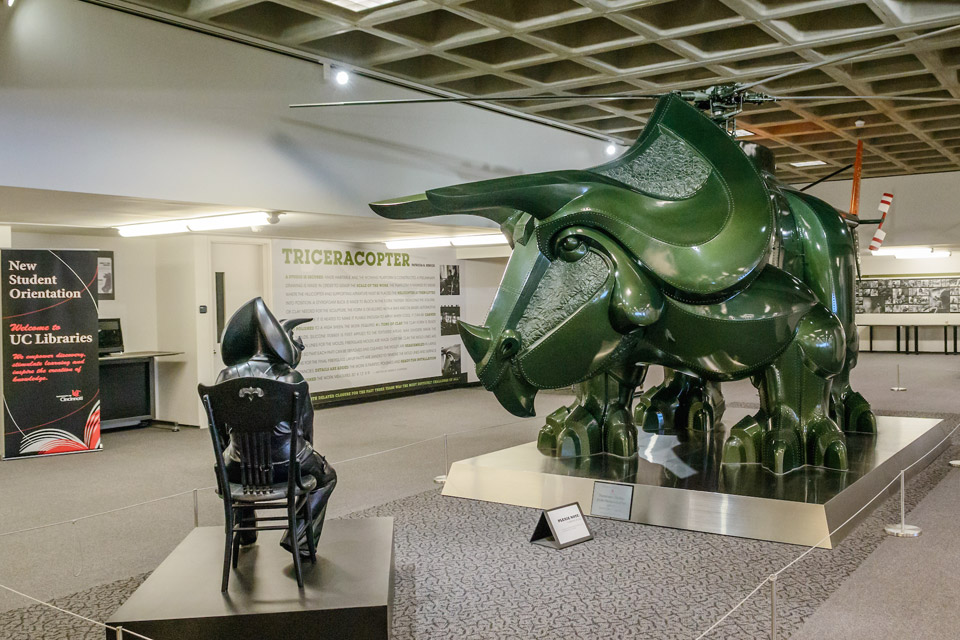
256	344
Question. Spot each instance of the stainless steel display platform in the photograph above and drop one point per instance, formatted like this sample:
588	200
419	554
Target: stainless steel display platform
679	482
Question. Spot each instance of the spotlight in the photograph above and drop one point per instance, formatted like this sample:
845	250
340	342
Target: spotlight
611	149
10	3
342	77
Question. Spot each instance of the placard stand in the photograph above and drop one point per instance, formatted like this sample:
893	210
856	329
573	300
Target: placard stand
561	527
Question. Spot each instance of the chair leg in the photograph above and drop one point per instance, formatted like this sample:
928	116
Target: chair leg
311	542
236	549
294	538
228	547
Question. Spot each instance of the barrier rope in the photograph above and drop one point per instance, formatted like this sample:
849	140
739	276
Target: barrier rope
75	615
776	574
713	626
211	488
102	513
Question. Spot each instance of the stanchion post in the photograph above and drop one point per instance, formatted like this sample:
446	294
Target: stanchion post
119	633
898	387
196	509
903	530
773	606
442	478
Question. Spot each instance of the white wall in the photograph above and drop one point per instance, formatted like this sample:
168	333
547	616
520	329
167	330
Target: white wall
98	101
924	212
926	208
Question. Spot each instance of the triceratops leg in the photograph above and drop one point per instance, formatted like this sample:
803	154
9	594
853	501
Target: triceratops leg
598	421
793	427
681	401
848	408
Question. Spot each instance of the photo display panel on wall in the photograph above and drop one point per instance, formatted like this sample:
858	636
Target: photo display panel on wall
384	322
909	295
51	377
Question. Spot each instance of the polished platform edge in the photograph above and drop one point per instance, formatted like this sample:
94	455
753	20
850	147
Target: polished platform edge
348	594
670	490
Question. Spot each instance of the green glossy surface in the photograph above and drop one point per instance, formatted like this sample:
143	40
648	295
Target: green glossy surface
684	252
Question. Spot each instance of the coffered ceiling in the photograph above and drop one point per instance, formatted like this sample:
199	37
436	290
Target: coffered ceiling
582	48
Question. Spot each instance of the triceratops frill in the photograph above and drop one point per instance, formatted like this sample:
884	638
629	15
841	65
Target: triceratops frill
684	252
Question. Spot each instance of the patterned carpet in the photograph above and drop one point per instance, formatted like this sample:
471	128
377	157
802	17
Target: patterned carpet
465	569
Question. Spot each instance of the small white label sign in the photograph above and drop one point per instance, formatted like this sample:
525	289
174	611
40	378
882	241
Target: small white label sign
612	500
568	524
562	527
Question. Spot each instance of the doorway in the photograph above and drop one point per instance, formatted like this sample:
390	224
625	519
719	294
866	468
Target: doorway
238	276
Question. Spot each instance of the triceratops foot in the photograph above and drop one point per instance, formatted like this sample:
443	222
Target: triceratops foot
858	418
682	401
781	449
570	431
744	444
826	446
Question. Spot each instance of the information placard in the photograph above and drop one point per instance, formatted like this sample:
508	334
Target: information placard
384	322
561	527
51	379
612	500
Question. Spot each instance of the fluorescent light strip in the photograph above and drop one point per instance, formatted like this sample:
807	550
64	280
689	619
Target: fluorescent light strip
474	241
456	241
911	252
743	133
232	221
418	243
808	163
153	228
209	223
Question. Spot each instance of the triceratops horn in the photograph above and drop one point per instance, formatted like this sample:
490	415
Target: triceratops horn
539	194
290	324
475	339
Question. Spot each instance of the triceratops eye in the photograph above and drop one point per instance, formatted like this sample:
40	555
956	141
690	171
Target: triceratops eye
571	249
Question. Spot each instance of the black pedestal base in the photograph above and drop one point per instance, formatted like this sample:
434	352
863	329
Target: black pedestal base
347	594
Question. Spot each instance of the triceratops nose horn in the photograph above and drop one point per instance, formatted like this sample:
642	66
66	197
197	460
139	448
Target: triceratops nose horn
475	339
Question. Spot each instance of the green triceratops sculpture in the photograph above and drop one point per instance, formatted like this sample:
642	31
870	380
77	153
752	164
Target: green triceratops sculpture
684	252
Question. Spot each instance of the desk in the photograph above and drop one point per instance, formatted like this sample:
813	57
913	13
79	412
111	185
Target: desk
128	388
912	322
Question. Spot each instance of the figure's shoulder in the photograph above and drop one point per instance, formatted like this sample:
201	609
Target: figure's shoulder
284	373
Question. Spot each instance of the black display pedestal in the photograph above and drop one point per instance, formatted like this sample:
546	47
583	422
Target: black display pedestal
347	594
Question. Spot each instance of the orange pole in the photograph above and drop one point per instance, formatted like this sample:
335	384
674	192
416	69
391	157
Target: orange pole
857	169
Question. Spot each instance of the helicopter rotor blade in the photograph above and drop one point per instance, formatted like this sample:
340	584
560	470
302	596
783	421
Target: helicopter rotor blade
361	103
881	97
848	56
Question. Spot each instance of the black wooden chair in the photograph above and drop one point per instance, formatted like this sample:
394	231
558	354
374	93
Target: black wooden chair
249	409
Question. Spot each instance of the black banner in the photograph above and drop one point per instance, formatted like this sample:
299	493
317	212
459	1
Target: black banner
51	381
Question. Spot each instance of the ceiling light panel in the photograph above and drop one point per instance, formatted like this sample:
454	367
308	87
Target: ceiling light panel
360	5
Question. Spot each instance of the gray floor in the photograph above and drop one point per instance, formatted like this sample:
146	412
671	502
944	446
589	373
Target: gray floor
138	465
144	464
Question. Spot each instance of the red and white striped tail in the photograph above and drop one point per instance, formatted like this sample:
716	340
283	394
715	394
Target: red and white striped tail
885	202
880	234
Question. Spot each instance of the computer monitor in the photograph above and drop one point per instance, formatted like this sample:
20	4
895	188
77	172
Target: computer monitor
111	336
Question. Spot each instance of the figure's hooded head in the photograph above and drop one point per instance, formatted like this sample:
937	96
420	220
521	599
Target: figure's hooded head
683	211
253	331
